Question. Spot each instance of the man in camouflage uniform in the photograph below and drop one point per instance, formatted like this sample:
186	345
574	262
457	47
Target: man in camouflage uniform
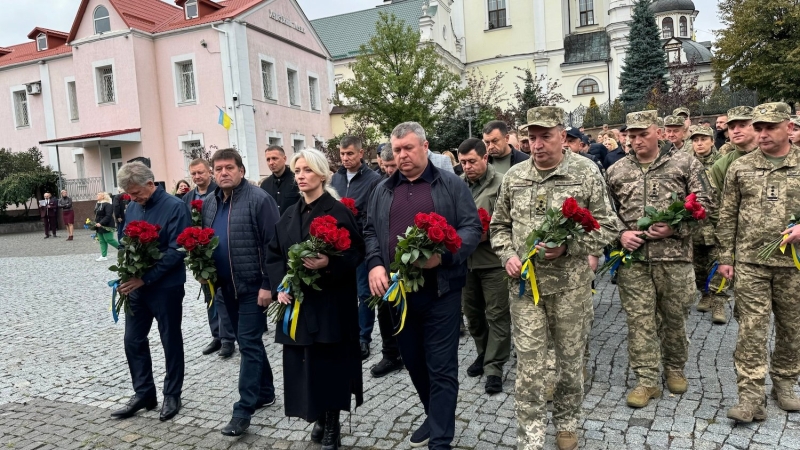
703	240
743	140
656	293
563	276
683	113
675	131
762	192
483	299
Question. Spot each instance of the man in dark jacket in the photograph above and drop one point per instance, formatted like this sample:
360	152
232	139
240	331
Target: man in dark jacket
157	295
429	341
280	185
119	203
243	217
48	209
218	320
501	155
575	143
355	180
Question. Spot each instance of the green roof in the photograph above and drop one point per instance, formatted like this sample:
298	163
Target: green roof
344	34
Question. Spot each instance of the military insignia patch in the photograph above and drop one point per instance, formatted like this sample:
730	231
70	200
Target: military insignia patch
772	193
654	193
541	205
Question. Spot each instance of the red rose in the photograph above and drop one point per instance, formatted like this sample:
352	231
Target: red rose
150	236
208	232
579	215
203	239
421	221
190	244
453	247
350	204
132	230
436	235
691	198
450	234
699	214
197	205
569	208
342	241
126	197
486	219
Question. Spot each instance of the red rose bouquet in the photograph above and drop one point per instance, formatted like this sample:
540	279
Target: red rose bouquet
351	205
430	234
768	250
679	213
199	245
197	213
324	237
138	254
126	197
559	226
486	219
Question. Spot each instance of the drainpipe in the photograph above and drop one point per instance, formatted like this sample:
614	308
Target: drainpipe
58	167
230	70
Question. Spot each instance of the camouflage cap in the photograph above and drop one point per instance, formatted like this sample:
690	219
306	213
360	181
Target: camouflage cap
681	110
673	121
641	119
771	112
696	130
660	122
545	116
740	113
796	121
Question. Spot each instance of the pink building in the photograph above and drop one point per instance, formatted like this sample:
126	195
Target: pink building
143	78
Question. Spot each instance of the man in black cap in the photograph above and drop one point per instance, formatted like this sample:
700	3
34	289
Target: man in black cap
575	142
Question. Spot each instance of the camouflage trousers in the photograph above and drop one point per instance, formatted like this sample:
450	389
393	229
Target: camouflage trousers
656	299
703	258
759	291
551	351
568	313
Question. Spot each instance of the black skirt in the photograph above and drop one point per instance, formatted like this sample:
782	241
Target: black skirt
321	377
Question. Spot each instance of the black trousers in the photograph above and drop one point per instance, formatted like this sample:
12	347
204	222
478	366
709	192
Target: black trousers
429	347
218	321
50	225
165	305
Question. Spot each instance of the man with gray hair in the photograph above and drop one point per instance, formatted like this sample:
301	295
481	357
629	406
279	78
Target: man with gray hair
157	295
388	164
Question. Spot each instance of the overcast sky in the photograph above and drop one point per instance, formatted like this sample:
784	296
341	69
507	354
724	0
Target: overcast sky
18	18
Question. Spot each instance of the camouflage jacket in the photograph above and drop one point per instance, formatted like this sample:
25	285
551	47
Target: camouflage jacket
720	167
484	192
632	189
727	148
757	202
704	235
688	147
522	202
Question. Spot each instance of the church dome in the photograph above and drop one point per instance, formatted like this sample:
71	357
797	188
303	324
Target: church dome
660	6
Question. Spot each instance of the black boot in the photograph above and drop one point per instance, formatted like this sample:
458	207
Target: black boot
332	438
319	430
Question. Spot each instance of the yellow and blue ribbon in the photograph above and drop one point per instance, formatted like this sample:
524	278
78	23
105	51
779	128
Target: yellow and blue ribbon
795	260
528	275
711	274
622	258
396	296
114	284
290	315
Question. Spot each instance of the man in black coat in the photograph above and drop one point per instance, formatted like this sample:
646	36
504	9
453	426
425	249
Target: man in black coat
48	209
280	185
119	203
243	217
218	320
501	155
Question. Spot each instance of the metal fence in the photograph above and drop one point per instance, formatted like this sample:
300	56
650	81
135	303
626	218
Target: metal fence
613	112
83	188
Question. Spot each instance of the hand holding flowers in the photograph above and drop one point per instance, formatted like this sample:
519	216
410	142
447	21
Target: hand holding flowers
199	245
139	253
788	238
486	219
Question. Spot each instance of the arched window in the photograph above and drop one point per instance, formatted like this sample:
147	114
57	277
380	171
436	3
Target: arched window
102	23
588	86
683	28
41	42
667	29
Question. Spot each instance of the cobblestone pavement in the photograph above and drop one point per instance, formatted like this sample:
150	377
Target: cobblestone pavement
63	369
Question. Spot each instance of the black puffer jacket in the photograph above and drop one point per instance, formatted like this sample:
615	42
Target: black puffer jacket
103	215
251	225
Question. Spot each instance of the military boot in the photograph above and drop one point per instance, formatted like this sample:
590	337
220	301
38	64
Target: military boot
566	440
640	396
747	412
706	303
718	315
783	392
676	381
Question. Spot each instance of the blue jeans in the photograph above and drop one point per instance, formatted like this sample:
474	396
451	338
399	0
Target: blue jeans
218	320
255	373
366	315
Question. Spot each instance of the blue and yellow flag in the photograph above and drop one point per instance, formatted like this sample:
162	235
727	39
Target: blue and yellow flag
224	119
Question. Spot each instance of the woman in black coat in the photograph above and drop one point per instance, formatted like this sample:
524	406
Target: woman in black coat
104	219
322	365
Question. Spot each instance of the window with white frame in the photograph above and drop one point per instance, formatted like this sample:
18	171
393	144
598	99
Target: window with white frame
21	109
497	13
80	166
298	145
275	141
313	93
294	81
105	84
102	22
684	29
588	86
667	29
185	82
41	42
72	97
586	8
268	80
191	9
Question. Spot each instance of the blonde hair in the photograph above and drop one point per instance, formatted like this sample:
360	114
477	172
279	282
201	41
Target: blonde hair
106	198
450	155
613	142
318	164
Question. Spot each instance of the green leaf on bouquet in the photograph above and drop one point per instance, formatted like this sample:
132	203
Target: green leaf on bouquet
650	210
644	223
405	258
414	254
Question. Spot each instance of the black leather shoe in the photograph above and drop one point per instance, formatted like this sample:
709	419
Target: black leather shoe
135	404
266	402
214	346
476	369
170	407
364	351
235	427
385	367
226	351
494	385
318	431
421	437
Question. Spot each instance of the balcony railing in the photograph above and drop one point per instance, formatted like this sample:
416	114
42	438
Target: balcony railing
81	189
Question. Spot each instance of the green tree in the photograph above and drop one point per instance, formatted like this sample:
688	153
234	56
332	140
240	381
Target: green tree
616	113
679	89
593	116
370	139
645	61
536	91
23	176
759	48
397	79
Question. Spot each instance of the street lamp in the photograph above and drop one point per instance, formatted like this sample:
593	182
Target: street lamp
470	112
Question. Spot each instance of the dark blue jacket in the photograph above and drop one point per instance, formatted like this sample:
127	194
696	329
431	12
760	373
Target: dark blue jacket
359	189
190	195
251	225
452	200
173	215
614	156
